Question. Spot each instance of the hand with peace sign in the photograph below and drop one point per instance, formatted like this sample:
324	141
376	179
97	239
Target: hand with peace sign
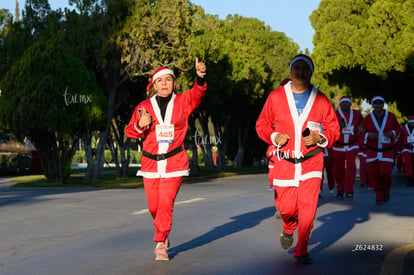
200	68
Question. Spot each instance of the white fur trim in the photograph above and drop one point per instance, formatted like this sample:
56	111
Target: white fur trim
345	99
303	59
377	98
161	73
156	175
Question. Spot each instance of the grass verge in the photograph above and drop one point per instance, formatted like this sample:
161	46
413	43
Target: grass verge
110	180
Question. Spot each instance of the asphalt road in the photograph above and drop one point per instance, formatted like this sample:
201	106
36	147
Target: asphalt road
221	226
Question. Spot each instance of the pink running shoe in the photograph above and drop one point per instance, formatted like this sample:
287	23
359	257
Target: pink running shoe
160	252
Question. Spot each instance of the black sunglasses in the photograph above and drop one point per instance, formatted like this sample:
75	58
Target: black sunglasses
378	102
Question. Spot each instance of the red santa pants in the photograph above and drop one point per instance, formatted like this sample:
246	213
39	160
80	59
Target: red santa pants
345	170
161	194
408	161
297	206
379	173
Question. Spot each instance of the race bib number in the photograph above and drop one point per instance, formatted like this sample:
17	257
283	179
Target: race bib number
410	139
314	126
385	140
348	130
165	133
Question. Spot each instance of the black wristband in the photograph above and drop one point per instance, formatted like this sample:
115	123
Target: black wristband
322	140
200	81
139	127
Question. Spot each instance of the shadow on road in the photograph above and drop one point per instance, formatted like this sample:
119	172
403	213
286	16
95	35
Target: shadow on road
239	223
26	196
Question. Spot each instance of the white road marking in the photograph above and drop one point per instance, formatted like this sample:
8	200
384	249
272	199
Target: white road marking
144	211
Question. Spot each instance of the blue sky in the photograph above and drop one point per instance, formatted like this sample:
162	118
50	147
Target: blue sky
290	17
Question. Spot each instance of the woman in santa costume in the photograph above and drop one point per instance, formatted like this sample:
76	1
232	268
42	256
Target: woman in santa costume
406	148
292	119
380	129
162	122
346	148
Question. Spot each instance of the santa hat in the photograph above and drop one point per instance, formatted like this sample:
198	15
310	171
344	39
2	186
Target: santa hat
158	73
411	119
377	97
345	99
302	57
284	81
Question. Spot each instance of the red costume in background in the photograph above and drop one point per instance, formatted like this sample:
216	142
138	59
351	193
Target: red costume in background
345	151
406	147
380	152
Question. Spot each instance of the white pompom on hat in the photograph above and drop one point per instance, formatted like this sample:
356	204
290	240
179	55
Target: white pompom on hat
345	99
302	57
158	73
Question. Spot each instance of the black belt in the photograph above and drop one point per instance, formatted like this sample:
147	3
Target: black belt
349	143
307	156
380	150
158	157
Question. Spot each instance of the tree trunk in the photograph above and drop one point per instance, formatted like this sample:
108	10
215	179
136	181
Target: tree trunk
193	146
241	141
124	149
206	144
86	139
55	153
113	84
221	152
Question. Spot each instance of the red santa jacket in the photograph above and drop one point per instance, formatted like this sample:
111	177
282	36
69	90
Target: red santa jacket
406	140
279	115
178	110
381	148
348	140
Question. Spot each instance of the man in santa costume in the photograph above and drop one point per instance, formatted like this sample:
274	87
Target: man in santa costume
380	129
299	120
406	148
162	122
345	149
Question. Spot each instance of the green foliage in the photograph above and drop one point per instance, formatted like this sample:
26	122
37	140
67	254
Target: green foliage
79	157
49	96
49	79
155	35
245	60
393	108
367	47
52	174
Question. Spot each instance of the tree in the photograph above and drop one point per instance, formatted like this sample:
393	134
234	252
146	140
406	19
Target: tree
154	35
367	46
91	33
50	97
246	60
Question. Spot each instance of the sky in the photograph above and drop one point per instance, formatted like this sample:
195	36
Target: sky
290	17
